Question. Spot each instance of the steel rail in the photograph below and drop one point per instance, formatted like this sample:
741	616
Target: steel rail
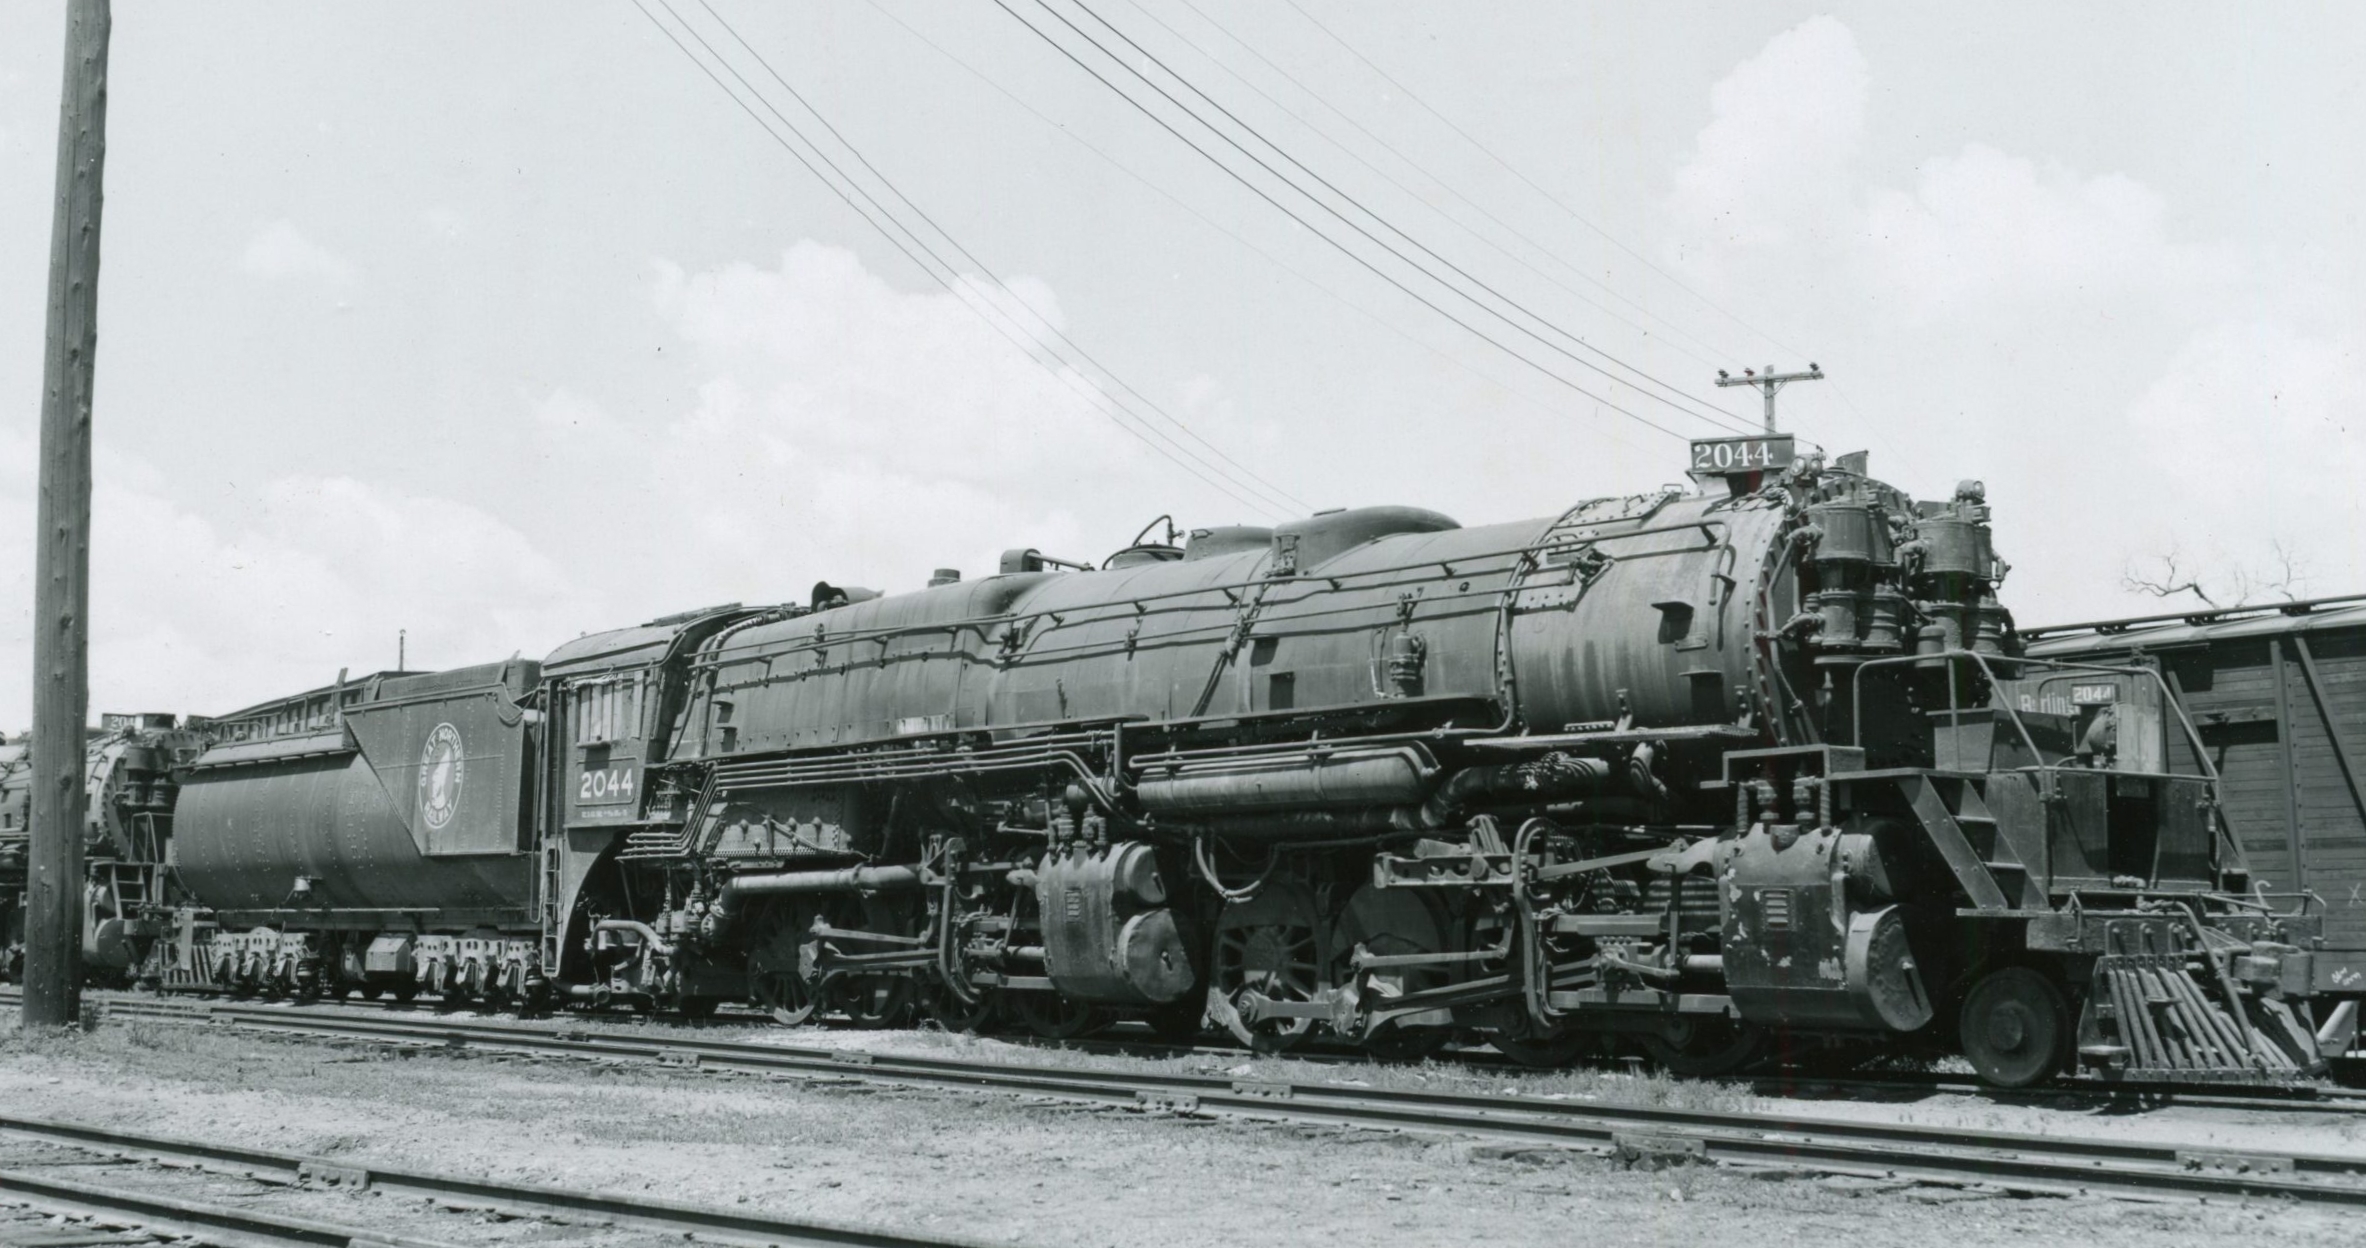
202	1221
2019	1160
737	1226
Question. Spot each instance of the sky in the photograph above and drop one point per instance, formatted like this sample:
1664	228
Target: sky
489	326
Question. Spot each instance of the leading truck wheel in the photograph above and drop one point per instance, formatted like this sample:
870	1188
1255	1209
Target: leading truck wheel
2014	1027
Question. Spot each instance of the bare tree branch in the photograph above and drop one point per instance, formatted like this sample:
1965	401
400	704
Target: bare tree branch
2170	580
2170	575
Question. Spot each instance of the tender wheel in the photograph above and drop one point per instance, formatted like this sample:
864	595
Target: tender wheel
2015	1027
1270	946
1699	1047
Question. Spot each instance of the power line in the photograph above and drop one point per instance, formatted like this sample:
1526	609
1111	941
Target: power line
960	287
1367	211
1443	185
1549	197
965	281
1557	202
1270	489
1343	248
1285	266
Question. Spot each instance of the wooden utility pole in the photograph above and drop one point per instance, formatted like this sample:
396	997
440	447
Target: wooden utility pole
1769	381
61	569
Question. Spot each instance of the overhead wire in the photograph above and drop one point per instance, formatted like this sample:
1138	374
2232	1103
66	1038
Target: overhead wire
1319	233
1531	183
1675	332
1572	213
1713	417
1269	488
962	288
1681	400
1285	266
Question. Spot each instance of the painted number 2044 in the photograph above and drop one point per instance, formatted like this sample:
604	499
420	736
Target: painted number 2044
613	784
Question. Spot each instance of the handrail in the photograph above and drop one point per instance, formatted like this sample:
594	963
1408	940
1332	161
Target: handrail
1545	544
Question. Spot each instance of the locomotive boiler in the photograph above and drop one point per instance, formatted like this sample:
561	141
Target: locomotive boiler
1692	773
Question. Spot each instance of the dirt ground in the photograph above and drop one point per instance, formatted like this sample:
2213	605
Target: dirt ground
1009	1170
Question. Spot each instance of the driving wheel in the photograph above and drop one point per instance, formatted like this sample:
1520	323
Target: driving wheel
1270	946
950	1010
1054	1017
1538	1052
781	969
1393	923
1705	1047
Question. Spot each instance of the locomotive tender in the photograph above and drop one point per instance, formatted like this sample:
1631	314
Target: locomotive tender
1688	772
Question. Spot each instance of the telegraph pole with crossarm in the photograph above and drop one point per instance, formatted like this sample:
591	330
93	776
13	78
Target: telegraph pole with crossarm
1769	382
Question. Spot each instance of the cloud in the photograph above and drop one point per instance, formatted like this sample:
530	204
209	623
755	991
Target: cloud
2051	326
2262	422
1983	228
829	427
279	251
847	429
188	615
1774	162
1772	194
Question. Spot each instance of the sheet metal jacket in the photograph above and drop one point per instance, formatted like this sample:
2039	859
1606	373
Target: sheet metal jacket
1646	610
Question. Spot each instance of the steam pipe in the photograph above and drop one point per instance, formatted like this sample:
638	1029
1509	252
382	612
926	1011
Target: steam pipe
733	896
1554	776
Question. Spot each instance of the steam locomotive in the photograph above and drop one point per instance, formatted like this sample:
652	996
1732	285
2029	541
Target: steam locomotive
1695	773
128	767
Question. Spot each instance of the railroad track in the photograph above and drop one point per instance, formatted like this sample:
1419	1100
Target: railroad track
607	1216
1659	1134
109	1213
1861	1085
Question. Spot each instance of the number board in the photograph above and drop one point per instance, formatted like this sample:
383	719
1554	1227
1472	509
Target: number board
606	786
1726	457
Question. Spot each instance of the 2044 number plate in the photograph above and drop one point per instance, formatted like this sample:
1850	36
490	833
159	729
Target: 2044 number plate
607	786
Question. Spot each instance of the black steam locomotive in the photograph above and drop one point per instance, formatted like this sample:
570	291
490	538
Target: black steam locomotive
1691	773
128	767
